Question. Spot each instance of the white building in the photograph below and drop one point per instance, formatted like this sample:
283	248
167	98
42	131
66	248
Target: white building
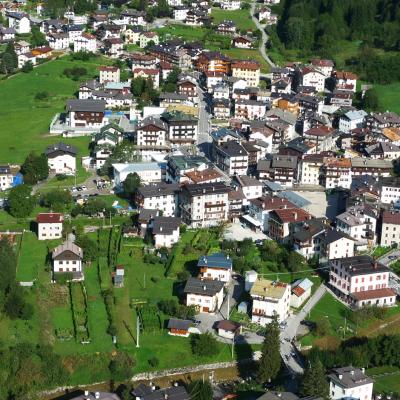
350	383
310	169
301	291
49	225
68	257
249	109
312	77
159	196
166	231
180	13
109	74
204	205
352	120
86	42
335	244
230	5
148	172
251	187
58	41
270	299
248	71
390	191
232	158
216	266
19	21
390	234
206	295
147	37
361	281
61	158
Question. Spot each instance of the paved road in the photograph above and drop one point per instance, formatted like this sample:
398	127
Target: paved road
390	257
264	36
204	139
294	363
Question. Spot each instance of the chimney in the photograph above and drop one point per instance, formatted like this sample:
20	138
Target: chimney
352	372
295	215
97	395
86	392
340	376
363	370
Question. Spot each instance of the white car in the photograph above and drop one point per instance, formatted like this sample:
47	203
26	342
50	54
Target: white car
84	187
74	189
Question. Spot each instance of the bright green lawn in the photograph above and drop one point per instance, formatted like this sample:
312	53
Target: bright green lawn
241	18
248	54
24	122
189	33
389	96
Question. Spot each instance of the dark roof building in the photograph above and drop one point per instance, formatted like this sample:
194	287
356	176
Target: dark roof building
206	287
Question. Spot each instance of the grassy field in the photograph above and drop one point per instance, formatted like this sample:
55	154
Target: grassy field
188	33
389	96
248	54
387	379
241	18
24	121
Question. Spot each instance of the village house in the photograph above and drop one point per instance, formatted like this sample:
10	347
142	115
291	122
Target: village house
180	327
166	231
68	257
188	87
359	222
182	127
179	166
6	34
180	13
306	237
204	205
334	244
19	21
361	281
58	41
49	225
86	113
346	81
25	58
270	299
230	4
10	176
147	38
367	166
86	43
282	222
232	158
113	47
133	17
336	173
221	108
160	196
206	295
350	382
377	122
352	120
279	168
208	175
148	73
249	109
383	150
226	27
213	61
151	132
325	66
217	266
149	172
242	42
61	158
228	329
311	77
109	74
390	231
390	190
248	71
310	167
300	292
251	187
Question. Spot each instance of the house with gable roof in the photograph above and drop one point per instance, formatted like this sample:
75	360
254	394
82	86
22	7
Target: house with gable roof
217	266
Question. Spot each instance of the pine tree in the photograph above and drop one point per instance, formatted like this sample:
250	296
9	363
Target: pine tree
270	362
314	382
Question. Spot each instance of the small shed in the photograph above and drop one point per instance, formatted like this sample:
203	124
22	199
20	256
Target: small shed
118	276
228	329
179	327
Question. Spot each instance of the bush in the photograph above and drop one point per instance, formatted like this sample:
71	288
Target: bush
204	345
61	177
154	279
121	367
42	95
183	275
28	67
154	362
75	73
63	277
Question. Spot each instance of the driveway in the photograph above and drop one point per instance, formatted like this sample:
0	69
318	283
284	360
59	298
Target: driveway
236	231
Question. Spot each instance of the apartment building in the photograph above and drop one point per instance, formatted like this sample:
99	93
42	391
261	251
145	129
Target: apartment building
182	128
203	205
336	173
270	299
152	133
49	225
232	158
390	233
247	70
109	73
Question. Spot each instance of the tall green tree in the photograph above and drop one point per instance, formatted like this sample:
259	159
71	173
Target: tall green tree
131	185
37	37
35	168
200	390
314	382
371	100
20	201
270	362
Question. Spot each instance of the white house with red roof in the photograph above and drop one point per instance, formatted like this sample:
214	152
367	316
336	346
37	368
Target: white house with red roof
301	291
152	73
312	77
109	73
325	66
49	225
346	81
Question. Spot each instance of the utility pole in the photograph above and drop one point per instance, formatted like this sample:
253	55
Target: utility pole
233	346
110	218
227	316
137	331
144	280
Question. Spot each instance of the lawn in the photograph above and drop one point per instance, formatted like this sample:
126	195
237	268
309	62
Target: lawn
241	18
24	121
32	256
249	54
387	379
187	33
389	96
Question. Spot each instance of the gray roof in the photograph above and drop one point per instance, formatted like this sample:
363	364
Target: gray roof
101	396
86	105
216	260
359	162
245	180
159	189
172	96
59	148
279	161
172	393
165	225
146	214
183	324
206	287
295	198
206	188
67	246
349	377
361	265
272	395
232	149
332	235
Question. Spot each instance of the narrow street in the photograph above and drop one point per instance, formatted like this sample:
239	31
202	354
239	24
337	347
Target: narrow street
264	36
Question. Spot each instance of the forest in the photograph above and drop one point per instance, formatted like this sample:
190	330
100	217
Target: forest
322	26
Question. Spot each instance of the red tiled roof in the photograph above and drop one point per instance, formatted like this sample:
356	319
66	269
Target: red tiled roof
108	68
373	294
292	215
391	217
48	218
319	131
298	291
345	75
147	71
246	64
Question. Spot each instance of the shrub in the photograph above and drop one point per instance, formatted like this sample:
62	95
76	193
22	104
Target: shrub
183	275
154	279
42	95
63	277
154	362
204	345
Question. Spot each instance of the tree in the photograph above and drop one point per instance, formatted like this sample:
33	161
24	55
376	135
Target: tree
270	362
371	100
322	326
88	247
204	345
20	201
314	382
38	38
121	367
35	168
131	185
200	390
27	67
58	200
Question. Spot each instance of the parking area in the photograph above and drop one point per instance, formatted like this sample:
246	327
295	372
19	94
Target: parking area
237	231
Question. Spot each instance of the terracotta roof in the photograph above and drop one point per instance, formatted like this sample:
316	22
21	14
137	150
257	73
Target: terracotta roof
298	291
47	218
203	176
391	217
227	325
373	294
147	71
319	131
246	64
322	63
345	75
292	215
108	68
337	162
